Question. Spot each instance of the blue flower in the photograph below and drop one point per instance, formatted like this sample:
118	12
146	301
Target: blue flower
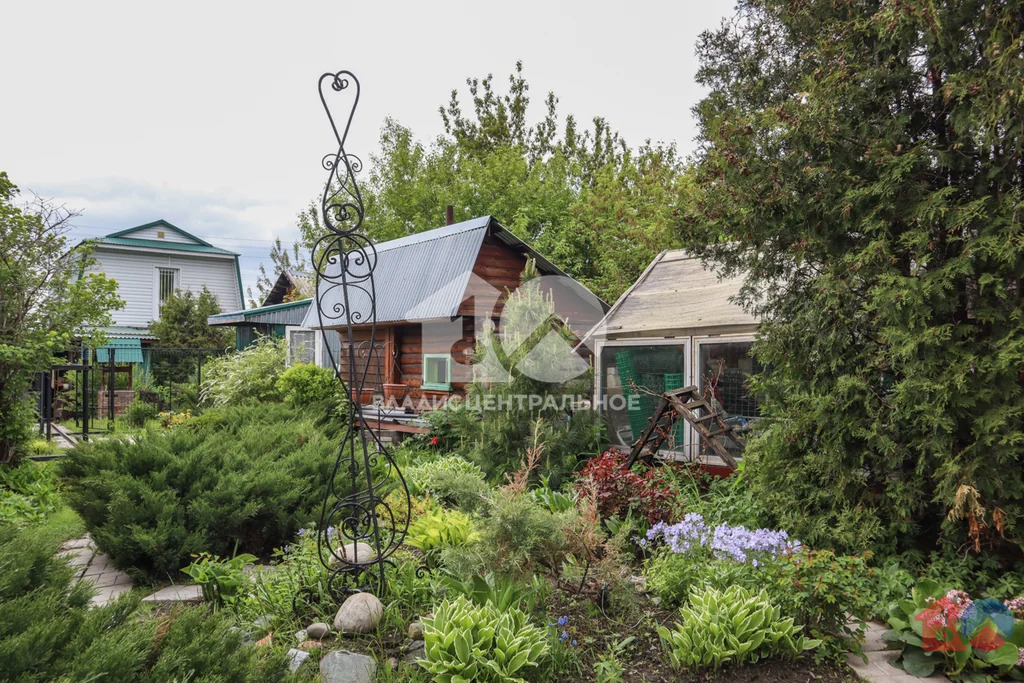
574	643
563	621
564	636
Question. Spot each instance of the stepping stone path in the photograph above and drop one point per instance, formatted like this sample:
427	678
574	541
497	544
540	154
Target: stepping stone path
93	566
110	582
879	667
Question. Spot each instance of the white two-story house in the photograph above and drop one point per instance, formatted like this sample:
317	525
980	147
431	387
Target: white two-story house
151	261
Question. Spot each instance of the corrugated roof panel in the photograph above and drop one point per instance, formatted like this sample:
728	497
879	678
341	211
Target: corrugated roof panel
157	244
415	279
125	351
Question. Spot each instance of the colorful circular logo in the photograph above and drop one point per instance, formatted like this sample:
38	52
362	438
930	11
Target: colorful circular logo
986	623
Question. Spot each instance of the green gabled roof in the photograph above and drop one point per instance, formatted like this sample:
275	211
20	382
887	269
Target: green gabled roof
161	222
157	244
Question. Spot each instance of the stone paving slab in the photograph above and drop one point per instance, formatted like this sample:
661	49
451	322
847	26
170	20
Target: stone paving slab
94	567
879	667
186	593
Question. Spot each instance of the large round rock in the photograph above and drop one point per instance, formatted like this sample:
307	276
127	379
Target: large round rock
354	553
360	613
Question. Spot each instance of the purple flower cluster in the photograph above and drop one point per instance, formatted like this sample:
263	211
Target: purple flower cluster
724	541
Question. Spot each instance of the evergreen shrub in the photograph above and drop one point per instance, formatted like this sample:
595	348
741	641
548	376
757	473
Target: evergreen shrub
240	479
48	632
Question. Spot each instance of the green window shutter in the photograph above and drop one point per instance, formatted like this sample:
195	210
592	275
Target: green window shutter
437	371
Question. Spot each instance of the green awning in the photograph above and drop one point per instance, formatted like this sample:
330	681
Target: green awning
125	351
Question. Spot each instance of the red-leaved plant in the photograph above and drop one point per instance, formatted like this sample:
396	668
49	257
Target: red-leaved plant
617	489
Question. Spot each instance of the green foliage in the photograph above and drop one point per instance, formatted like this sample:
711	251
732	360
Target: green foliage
48	633
307	384
283	259
501	592
28	492
440	528
139	413
607	668
830	595
585	199
46	303
183	322
516	534
554	501
247	376
734	625
467	642
927	627
882	249
251	475
223	581
451	480
502	425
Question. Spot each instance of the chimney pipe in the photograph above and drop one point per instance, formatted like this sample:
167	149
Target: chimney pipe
449	215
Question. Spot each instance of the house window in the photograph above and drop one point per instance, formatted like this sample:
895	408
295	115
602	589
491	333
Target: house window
303	346
437	371
167	281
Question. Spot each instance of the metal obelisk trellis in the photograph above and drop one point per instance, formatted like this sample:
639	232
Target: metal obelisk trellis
357	531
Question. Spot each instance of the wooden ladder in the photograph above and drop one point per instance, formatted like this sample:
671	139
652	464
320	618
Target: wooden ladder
686	403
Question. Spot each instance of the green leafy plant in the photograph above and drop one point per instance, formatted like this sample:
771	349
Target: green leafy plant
247	376
28	492
223	581
555	501
438	528
608	668
308	384
501	592
927	627
734	625
466	642
139	413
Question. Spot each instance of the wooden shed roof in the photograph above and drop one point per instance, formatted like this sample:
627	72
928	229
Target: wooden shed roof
676	295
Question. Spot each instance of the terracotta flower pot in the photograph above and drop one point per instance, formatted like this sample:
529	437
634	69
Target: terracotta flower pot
362	397
393	392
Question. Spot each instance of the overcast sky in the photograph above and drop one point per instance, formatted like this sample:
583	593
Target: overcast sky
206	114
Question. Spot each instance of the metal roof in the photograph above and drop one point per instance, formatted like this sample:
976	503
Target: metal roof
676	294
424	276
291	313
126	332
157	244
126	350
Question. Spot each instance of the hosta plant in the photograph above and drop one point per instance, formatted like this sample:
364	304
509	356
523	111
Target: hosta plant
734	625
222	580
466	642
946	630
438	528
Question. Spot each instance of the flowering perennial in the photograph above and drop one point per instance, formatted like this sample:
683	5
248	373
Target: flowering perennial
725	541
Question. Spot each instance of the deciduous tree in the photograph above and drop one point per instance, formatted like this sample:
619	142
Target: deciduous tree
46	302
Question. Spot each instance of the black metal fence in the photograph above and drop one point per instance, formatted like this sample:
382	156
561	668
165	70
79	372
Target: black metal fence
85	396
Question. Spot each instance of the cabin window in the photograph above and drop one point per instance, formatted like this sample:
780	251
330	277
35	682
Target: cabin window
167	281
302	346
437	371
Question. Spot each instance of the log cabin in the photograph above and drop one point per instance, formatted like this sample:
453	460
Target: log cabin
435	290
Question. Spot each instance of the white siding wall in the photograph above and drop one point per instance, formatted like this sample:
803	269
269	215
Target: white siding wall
135	272
151	234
